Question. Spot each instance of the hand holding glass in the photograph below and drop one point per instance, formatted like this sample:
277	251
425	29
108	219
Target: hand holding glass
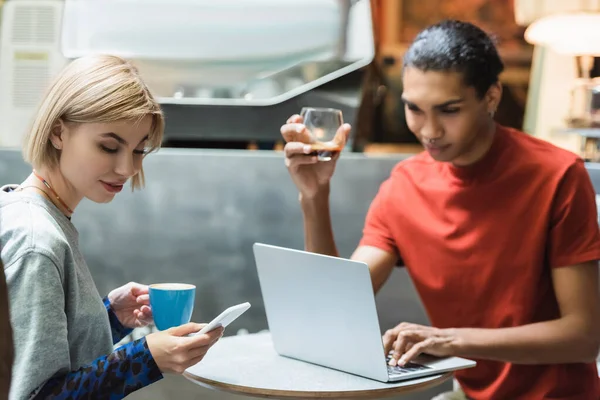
322	125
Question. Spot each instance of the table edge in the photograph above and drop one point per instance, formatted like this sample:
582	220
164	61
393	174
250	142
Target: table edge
291	394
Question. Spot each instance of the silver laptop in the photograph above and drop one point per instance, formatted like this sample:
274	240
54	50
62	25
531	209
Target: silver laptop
321	309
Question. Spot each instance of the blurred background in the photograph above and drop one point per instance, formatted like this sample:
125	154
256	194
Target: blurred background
228	73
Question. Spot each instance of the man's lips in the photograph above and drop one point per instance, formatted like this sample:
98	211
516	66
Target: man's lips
434	144
435	148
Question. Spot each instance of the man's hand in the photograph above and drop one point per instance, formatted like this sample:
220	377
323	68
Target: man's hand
409	340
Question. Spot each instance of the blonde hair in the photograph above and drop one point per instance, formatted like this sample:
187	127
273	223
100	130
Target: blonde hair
93	89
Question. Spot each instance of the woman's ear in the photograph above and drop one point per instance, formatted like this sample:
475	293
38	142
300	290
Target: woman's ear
56	135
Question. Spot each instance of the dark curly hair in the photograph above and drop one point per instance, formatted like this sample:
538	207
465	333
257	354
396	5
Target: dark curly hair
457	46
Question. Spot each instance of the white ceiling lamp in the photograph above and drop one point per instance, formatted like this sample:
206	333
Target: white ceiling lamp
576	34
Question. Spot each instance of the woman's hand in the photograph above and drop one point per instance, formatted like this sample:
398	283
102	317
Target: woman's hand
131	305
174	351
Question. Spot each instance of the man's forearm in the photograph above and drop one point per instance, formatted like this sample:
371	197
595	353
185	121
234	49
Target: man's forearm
318	232
565	340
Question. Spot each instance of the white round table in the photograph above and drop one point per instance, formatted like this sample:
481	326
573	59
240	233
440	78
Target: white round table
248	365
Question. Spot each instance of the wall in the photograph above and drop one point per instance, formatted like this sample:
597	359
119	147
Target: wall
197	219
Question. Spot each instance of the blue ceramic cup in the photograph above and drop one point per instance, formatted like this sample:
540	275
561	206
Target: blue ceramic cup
172	304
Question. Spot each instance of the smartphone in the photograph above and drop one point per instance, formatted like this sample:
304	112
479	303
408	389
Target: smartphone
225	318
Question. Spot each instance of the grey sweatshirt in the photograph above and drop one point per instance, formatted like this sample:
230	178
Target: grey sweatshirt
59	321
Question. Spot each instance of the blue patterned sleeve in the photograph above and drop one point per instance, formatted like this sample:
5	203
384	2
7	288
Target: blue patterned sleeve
127	369
117	329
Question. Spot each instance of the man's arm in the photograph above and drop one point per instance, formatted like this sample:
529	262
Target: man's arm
381	263
573	246
318	233
574	337
377	247
572	250
318	238
6	343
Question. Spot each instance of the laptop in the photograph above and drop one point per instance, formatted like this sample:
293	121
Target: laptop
321	310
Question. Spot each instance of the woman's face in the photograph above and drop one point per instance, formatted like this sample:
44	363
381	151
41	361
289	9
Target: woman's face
97	159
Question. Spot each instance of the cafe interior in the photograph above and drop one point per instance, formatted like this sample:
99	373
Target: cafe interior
227	75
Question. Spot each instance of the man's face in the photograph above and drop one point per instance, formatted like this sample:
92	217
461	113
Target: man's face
445	114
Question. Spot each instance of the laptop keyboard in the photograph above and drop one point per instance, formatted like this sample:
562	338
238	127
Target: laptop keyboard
406	368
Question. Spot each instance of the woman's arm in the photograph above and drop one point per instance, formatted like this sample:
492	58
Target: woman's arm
127	369
117	329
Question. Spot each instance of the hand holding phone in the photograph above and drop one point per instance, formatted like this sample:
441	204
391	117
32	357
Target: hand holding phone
225	318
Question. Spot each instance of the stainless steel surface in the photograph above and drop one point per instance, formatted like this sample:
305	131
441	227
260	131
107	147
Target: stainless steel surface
583	132
190	124
229	52
594	170
228	71
197	219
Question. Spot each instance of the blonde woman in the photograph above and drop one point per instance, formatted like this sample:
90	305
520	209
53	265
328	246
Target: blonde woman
94	127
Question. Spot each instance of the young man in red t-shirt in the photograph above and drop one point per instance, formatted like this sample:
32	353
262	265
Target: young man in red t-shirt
498	230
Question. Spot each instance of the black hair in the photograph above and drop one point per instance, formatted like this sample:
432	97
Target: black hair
457	46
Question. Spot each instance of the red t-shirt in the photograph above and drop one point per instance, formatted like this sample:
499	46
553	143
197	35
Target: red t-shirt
479	243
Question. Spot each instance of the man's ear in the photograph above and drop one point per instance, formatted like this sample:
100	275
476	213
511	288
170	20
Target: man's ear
493	97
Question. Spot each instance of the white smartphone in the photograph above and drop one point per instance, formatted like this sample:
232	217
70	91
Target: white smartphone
225	318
